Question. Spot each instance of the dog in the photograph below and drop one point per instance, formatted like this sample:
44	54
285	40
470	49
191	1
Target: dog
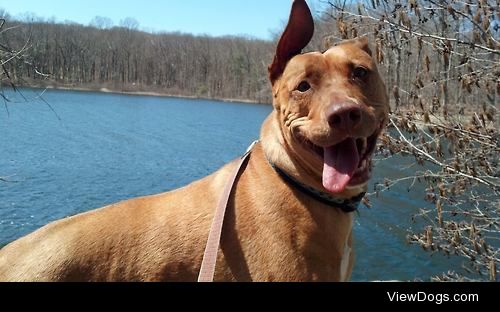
290	215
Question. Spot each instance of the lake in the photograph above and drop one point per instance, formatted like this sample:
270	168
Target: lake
97	149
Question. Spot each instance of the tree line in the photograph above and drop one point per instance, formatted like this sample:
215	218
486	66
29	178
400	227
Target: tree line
124	58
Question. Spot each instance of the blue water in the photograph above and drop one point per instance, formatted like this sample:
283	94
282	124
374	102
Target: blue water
98	149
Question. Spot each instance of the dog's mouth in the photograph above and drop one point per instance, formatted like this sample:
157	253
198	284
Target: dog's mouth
348	163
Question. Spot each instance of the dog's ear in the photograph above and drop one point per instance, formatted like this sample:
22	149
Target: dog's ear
361	42
298	33
364	44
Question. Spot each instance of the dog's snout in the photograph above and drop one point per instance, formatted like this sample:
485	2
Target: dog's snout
345	116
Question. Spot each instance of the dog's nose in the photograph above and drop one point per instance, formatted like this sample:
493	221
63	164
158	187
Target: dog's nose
345	116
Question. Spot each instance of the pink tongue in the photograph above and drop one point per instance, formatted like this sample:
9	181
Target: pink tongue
341	161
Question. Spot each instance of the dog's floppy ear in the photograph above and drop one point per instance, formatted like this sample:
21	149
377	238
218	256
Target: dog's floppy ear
297	35
361	42
364	44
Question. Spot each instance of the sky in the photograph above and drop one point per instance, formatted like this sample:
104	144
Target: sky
255	18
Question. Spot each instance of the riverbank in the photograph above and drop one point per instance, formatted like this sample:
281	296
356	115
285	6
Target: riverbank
140	92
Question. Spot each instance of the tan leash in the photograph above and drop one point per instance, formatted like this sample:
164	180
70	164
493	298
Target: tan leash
207	271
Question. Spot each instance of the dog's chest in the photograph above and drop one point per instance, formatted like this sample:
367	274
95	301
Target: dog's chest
346	256
345	262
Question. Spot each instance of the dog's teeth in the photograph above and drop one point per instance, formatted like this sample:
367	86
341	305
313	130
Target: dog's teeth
364	146
362	165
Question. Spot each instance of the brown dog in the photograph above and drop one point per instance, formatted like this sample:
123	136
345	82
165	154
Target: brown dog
285	220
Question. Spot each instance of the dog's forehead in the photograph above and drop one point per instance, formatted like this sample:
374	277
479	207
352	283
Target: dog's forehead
306	62
337	52
336	59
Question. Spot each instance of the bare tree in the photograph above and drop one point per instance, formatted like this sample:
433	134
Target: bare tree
129	23
11	59
101	22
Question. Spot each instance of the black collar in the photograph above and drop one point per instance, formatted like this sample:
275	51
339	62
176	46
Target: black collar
346	205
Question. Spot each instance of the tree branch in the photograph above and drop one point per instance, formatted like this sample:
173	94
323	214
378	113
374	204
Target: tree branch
442	165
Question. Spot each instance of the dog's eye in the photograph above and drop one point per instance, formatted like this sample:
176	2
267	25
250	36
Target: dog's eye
304	86
360	73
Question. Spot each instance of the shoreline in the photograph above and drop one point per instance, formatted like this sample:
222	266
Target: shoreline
145	93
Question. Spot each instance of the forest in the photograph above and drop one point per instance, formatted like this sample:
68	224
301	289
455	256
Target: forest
123	58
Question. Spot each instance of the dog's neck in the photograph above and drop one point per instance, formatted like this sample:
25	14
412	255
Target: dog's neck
277	153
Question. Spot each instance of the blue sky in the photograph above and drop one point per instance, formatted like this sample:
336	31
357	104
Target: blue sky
216	17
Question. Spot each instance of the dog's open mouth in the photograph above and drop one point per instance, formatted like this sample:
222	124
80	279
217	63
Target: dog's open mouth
348	163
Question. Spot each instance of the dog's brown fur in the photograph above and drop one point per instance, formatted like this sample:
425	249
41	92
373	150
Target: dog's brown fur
272	232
